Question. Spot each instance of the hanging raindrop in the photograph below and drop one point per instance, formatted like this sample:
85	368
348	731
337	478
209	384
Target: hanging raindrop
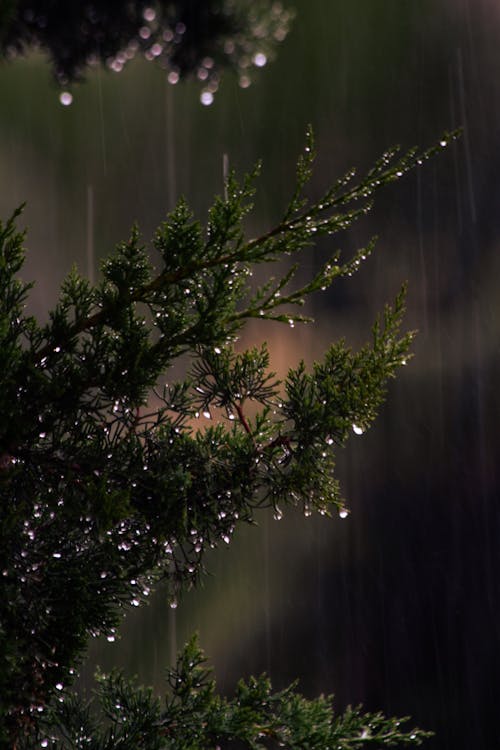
260	59
65	98
206	98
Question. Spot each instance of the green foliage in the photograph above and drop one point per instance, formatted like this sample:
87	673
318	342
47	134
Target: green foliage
106	483
195	717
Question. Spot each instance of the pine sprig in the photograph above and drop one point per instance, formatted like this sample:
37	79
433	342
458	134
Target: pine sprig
108	483
195	717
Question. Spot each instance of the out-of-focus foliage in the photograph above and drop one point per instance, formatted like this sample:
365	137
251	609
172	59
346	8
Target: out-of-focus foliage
106	485
185	38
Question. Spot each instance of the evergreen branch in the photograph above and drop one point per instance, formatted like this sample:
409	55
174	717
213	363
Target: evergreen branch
293	233
103	493
196	718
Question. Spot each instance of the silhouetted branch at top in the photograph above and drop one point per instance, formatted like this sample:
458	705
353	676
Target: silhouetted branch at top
185	38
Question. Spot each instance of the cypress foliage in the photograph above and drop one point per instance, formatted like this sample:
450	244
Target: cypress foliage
107	485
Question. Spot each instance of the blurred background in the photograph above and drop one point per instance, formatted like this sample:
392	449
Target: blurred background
397	606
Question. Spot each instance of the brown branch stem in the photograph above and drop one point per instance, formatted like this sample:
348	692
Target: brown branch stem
242	418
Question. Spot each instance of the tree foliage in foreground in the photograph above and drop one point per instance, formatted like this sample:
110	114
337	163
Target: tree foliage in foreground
194	717
108	483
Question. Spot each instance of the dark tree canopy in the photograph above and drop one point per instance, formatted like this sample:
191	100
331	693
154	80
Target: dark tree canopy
185	37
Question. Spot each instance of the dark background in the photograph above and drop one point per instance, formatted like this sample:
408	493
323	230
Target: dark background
397	606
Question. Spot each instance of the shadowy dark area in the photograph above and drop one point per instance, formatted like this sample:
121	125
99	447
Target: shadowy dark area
415	627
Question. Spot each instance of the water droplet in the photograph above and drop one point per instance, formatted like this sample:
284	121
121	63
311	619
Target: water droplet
343	513
443	143
173	77
149	14
357	430
291	323
173	604
217	350
207	414
260	59
44	743
135	602
111	638
59	686
57	555
206	98
116	66
329	440
65	98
